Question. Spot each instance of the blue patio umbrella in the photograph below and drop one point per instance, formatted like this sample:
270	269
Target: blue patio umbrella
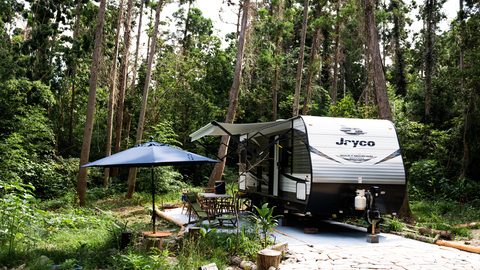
150	154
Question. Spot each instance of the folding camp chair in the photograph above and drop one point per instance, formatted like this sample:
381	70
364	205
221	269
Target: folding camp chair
195	208
229	212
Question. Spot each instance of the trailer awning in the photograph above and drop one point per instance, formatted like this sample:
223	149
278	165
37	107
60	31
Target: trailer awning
219	129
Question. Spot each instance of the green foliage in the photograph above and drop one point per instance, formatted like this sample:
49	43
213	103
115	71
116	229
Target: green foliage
345	108
215	246
166	180
18	217
155	259
444	214
426	178
392	224
265	221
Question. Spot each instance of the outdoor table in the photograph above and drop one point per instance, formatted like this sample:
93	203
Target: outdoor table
216	204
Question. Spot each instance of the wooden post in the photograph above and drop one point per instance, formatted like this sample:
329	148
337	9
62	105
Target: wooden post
267	258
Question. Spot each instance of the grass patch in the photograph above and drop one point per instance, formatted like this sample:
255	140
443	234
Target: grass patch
444	215
68	237
447	212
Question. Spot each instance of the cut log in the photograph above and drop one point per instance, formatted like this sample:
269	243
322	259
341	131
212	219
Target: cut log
267	258
472	249
161	214
442	234
417	237
468	225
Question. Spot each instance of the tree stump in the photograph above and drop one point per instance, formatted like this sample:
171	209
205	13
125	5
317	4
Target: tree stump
155	239
193	233
267	258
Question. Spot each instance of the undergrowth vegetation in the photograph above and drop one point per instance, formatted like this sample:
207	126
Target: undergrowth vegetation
53	234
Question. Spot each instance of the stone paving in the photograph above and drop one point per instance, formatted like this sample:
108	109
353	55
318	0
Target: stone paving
408	254
339	246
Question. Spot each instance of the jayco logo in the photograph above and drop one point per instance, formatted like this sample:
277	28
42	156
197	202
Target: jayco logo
355	142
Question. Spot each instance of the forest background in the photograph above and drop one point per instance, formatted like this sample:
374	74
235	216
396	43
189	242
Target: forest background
74	86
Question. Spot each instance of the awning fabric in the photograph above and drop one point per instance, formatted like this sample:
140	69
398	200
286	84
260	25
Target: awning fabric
220	129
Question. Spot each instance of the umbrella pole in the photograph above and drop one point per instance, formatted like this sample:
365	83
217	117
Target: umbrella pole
153	201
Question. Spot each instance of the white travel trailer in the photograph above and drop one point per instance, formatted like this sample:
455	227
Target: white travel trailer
321	166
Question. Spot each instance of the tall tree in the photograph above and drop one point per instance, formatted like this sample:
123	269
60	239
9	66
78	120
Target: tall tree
137	46
336	51
141	118
278	13
384	110
314	64
298	77
87	134
73	72
469	64
400	80
123	77
430	26
233	97
113	89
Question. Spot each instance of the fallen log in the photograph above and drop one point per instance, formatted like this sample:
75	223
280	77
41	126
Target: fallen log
161	214
468	225
472	249
417	237
446	235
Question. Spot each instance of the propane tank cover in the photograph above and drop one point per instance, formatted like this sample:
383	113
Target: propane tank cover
360	200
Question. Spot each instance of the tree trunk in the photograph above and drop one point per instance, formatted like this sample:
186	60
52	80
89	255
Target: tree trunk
314	65
76	29
278	50
132	175
336	50
233	97
325	57
399	62
298	77
87	134
374	51
470	103
139	33
123	78
429	57
111	98
186	39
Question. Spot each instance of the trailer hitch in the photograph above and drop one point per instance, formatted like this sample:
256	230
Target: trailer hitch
373	215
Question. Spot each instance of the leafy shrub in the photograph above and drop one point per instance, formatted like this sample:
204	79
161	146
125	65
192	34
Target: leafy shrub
166	180
18	218
427	178
345	107
156	259
393	224
264	220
